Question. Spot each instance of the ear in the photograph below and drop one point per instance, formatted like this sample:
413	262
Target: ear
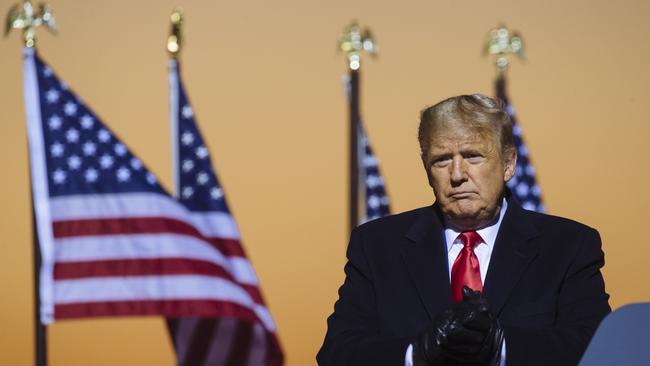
510	164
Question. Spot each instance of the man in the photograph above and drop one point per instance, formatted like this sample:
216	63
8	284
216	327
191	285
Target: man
474	279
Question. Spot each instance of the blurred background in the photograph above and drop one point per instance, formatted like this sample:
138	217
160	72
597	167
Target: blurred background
264	79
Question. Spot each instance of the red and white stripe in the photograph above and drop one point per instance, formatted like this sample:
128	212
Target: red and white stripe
144	253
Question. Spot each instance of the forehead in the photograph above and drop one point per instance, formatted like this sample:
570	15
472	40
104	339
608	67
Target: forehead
450	135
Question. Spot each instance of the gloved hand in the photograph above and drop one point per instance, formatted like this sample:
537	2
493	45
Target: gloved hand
466	333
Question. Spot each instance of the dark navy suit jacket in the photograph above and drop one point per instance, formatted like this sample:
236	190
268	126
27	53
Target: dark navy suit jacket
544	284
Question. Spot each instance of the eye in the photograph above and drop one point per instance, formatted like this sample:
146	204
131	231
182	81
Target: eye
474	158
441	162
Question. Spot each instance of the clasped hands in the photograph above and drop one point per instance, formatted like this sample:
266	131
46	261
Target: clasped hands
466	333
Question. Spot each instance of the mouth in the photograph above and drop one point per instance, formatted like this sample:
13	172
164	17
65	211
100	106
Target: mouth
461	195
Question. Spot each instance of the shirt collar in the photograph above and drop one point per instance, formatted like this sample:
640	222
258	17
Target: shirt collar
488	233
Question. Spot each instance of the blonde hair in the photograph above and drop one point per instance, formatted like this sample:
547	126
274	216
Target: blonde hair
477	112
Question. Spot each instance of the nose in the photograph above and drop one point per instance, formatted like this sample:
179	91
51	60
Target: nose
458	172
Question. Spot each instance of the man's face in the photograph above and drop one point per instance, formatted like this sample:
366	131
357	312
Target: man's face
467	173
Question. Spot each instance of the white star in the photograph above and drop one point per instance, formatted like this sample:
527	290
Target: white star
58	176
56	149
103	135
385	201
72	135
530	170
151	178
187	138
370	161
522	189
136	164
536	190
373	181
202	178
187	192
63	85
47	72
216	193
523	150
187	165
87	122
187	112
516	130
123	174
202	152
106	161
119	149
74	162
70	108
91	175
54	122
89	148
52	96
374	202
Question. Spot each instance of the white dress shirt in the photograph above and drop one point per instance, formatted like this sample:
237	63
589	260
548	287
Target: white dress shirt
483	251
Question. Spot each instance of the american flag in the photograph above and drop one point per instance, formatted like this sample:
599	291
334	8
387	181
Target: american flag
374	197
226	340
523	184
112	241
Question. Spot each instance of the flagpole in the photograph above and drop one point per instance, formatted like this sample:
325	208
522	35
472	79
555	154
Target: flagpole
26	18
40	332
353	134
174	46
353	41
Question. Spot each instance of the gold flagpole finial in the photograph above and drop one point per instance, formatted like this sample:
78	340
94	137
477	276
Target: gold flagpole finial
175	39
26	18
501	43
353	41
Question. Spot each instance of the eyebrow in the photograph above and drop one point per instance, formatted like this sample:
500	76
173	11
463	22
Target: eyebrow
441	156
472	151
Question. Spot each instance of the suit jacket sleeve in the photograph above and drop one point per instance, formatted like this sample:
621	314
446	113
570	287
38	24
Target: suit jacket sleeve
353	336
582	304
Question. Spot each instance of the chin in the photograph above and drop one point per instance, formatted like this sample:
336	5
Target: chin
464	217
466	209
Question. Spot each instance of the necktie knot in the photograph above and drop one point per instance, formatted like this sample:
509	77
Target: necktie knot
470	239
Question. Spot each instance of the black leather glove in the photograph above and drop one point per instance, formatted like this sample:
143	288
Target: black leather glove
466	333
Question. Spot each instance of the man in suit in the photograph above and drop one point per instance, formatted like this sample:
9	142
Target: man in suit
474	279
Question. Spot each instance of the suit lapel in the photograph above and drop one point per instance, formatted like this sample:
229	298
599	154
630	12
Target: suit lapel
513	252
425	256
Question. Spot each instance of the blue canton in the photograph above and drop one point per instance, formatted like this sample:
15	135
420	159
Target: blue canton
83	156
199	188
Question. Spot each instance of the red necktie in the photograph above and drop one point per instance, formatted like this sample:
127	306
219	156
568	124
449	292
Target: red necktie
466	270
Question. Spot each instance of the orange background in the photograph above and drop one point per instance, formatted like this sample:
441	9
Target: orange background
265	81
